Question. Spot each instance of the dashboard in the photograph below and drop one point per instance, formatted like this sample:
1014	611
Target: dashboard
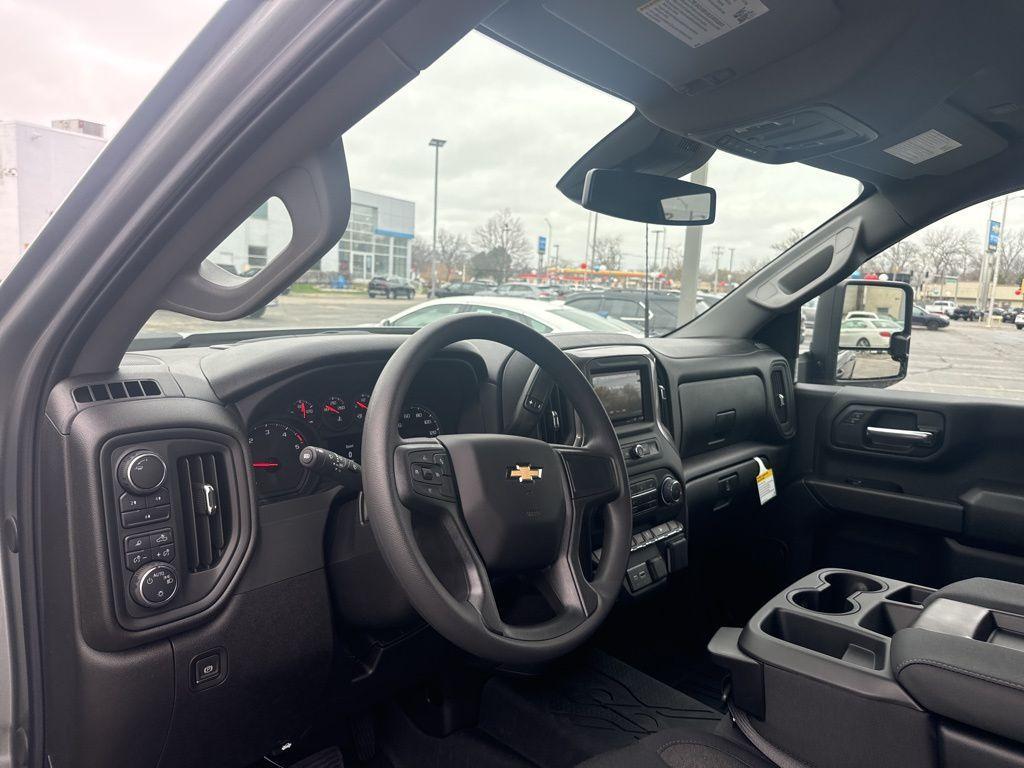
182	468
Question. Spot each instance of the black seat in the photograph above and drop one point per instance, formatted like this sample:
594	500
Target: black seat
679	748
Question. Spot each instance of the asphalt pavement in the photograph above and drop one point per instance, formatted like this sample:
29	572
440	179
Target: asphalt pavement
964	359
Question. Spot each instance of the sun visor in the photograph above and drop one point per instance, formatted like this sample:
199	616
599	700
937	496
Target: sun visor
695	45
637	145
941	141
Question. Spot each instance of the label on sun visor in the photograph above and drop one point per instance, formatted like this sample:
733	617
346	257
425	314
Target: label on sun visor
923	147
697	22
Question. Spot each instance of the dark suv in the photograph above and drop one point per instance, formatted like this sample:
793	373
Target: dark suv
390	287
628	306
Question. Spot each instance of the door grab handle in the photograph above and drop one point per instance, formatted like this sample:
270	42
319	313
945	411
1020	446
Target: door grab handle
909	436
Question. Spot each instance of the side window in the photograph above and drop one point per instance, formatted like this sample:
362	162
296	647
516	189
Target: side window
624	309
589	304
966	271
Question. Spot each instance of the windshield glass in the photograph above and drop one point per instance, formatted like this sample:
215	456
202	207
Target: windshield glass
499	129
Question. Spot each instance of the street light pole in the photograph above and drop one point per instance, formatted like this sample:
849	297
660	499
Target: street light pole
540	256
999	253
436	144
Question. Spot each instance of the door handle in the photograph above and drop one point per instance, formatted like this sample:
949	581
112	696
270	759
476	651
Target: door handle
902	436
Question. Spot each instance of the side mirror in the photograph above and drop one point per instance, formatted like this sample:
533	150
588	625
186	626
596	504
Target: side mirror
648	198
871	331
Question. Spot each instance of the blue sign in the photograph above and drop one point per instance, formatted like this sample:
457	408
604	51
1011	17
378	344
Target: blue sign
542	245
993	235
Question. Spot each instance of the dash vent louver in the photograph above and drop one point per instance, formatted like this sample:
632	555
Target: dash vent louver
116	390
205	512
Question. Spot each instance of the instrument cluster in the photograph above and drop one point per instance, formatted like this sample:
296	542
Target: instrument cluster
334	421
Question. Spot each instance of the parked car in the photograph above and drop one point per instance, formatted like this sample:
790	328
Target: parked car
542	316
469	288
628	306
861	315
390	287
1008	315
520	290
929	320
967	312
941	307
866	333
1018	321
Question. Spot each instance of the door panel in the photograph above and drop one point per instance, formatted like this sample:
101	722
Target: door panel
921	487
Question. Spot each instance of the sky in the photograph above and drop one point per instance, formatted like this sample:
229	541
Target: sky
513	127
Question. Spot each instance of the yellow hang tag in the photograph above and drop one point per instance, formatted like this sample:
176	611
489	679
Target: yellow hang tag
765	482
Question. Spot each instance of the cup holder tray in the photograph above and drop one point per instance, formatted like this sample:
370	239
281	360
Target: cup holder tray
837	594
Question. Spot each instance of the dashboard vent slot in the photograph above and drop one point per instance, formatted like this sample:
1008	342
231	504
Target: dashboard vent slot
780	394
116	390
205	512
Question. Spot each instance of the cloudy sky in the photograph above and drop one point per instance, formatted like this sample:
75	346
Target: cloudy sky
513	127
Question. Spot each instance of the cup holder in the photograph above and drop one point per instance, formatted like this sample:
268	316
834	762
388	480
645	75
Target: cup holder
836	594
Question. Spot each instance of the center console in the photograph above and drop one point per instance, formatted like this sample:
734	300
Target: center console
850	669
625	380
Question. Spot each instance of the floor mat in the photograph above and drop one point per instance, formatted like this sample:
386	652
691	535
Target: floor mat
589	704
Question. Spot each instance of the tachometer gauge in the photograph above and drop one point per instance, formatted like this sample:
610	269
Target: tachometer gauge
303	410
334	413
359	407
275	451
417	421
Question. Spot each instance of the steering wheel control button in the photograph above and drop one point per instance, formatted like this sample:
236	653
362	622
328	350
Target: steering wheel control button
442	462
426	473
141	472
135	560
154	585
143	516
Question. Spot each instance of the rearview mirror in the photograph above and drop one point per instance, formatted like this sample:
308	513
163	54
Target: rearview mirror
648	198
873	342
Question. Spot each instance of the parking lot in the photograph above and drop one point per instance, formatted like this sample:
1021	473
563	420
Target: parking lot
965	359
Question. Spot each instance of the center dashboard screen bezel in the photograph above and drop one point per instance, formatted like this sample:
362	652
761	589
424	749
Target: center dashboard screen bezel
632	380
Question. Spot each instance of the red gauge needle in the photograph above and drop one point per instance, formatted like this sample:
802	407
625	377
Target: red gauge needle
265	465
302	407
361	405
331	408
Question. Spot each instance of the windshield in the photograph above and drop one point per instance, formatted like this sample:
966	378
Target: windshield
499	129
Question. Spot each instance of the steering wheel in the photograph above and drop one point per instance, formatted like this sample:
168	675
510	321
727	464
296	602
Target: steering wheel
506	504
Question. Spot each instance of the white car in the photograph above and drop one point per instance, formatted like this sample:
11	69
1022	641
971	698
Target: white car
866	333
542	316
941	307
860	315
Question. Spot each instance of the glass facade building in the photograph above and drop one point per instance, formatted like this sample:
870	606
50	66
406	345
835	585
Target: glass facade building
377	241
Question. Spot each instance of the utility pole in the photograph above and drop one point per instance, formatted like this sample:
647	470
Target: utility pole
717	251
732	255
436	144
540	256
691	260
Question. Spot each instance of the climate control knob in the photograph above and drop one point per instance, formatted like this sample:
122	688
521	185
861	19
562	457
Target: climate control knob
154	585
141	472
671	490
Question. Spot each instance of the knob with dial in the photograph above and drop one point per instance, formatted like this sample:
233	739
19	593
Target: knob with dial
671	490
639	450
141	472
154	585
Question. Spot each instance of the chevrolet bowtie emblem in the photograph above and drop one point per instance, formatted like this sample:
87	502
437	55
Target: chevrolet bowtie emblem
525	473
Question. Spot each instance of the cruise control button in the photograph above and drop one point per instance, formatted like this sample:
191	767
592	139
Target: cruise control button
425	489
135	560
135	543
444	462
421	457
426	473
129	502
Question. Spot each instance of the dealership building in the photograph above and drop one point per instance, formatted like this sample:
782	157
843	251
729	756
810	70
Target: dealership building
39	166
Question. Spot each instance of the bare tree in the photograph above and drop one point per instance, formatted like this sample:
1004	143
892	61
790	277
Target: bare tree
787	241
453	252
1011	256
607	252
502	240
948	251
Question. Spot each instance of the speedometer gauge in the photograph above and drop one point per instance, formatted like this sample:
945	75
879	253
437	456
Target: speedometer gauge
417	421
275	451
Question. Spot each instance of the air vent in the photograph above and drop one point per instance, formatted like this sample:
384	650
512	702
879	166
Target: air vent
205	512
781	394
117	390
555	420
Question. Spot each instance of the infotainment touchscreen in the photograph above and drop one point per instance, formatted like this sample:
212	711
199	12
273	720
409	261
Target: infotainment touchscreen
621	393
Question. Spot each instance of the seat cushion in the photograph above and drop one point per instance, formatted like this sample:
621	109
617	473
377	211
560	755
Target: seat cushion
679	748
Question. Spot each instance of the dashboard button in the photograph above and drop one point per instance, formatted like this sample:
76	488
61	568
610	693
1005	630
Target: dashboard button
135	543
163	536
154	584
164	553
159	498
135	560
638	577
130	501
206	668
143	516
